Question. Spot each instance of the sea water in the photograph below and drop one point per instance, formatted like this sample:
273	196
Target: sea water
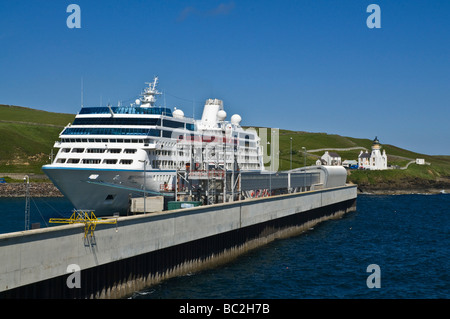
406	236
12	212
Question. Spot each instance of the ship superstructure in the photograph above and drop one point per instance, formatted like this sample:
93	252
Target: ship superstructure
110	154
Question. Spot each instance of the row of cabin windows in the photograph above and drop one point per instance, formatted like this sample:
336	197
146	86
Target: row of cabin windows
153	132
99	150
93	161
133	121
163	152
247	157
106	140
109	131
155	163
163	164
126	110
121	131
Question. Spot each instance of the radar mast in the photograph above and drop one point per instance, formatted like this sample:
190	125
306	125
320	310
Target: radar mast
149	95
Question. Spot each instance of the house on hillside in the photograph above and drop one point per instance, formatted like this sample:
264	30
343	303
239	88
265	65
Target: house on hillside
364	160
331	158
420	161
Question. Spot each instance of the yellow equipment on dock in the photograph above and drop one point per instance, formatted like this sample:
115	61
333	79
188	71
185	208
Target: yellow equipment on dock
90	221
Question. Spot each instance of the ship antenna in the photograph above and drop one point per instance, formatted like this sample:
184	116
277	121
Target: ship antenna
81	91
149	94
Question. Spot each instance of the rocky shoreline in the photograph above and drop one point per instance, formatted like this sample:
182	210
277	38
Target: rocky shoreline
36	190
369	191
49	190
383	189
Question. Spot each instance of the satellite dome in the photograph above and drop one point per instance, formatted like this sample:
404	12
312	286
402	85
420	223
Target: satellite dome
221	115
137	101
236	119
178	113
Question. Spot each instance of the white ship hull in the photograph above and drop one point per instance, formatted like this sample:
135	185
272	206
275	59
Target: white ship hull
109	192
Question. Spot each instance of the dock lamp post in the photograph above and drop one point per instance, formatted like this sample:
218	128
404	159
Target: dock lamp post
270	172
27	202
291	154
145	185
304	155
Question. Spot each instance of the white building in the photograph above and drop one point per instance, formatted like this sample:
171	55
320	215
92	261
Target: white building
375	160
331	158
364	160
420	161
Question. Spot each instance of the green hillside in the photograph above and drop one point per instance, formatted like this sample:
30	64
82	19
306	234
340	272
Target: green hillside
436	175
27	137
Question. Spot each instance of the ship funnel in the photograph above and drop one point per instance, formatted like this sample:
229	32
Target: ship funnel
210	112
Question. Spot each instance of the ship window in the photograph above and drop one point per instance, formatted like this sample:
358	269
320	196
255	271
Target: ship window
126	161
130	151
173	124
115	150
78	150
110	161
73	161
66	150
61	160
153	132
95	150
91	161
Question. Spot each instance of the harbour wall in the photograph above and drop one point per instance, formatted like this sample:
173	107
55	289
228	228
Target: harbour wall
139	251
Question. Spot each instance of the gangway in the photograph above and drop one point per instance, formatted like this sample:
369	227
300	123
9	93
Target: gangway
90	221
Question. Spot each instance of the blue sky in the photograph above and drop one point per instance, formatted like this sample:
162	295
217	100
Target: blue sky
306	65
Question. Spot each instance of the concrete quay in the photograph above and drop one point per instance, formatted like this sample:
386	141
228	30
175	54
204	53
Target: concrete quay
142	250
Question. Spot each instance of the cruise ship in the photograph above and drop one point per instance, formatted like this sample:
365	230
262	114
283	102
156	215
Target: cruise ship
109	155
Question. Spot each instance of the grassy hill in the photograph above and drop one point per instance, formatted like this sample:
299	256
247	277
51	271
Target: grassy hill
27	137
435	176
